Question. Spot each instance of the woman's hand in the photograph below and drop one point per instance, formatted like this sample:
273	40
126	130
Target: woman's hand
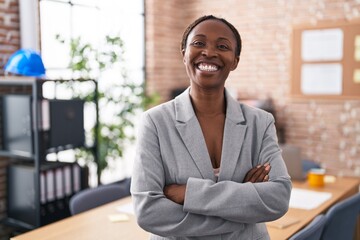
175	193
259	173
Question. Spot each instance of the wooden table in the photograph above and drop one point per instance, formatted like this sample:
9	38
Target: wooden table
95	224
341	188
89	225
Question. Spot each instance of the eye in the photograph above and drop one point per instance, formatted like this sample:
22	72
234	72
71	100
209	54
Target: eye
198	44
223	47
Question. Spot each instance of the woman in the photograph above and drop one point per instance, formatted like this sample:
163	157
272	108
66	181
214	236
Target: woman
202	167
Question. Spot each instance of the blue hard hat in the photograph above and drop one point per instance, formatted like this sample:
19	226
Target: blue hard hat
25	62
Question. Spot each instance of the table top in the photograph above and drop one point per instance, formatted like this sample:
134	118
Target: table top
340	188
95	223
92	224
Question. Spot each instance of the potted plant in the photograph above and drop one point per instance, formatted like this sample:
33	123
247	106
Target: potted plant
119	101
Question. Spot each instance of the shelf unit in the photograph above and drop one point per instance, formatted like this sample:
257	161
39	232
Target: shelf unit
36	158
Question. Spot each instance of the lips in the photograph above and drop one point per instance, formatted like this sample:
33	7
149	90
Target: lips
207	67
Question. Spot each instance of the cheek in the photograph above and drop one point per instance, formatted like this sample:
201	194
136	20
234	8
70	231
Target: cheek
233	62
187	59
191	54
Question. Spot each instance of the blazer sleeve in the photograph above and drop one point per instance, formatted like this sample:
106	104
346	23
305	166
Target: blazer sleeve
245	202
154	212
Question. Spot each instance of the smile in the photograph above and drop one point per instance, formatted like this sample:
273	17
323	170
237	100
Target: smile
207	67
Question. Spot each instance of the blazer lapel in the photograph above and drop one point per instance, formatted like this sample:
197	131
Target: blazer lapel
234	134
190	131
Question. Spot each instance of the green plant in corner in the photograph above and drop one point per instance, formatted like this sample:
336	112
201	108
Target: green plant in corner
120	101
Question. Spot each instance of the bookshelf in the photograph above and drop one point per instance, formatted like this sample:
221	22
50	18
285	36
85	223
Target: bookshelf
32	126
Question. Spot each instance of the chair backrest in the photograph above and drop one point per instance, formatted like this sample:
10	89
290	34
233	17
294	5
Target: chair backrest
312	231
293	161
341	219
94	197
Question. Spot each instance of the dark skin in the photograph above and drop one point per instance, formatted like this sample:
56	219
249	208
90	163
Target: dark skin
176	192
209	57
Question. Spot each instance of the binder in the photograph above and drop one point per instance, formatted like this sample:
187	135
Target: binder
76	177
50	185
67	180
42	188
59	183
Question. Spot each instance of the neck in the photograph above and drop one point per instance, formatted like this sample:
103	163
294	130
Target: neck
208	103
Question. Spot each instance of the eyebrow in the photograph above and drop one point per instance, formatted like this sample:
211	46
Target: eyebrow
220	38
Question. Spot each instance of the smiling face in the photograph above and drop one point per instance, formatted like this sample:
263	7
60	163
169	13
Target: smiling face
210	54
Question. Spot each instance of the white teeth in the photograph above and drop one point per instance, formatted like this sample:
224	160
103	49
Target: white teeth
207	67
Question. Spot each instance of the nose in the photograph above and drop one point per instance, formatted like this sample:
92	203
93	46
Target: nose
209	51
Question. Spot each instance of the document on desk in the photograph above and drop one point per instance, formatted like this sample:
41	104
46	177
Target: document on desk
307	199
126	208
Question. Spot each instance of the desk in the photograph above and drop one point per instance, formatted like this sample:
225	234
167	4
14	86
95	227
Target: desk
340	189
94	224
89	225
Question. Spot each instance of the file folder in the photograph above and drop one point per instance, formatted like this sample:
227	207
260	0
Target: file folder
50	186
76	178
67	180
42	188
59	183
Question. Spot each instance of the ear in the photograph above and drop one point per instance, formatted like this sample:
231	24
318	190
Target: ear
235	63
183	54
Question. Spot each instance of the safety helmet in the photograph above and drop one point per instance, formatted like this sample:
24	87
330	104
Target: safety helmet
25	62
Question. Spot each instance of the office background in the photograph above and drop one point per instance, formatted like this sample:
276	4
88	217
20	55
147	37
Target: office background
327	130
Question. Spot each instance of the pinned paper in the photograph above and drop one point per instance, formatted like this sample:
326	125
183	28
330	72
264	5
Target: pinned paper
118	217
357	54
357	49
357	76
357	41
322	45
321	78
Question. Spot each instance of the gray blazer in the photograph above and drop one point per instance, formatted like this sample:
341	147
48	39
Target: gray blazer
171	149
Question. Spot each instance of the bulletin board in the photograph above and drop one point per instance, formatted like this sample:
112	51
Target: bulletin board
326	61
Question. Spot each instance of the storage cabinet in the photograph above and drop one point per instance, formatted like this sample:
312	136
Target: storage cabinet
32	127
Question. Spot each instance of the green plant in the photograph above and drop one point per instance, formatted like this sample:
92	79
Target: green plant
120	101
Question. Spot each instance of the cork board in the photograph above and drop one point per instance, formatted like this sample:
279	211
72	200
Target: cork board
326	61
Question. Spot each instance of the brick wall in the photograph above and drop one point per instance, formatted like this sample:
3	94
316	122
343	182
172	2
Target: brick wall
9	43
327	131
164	70
9	30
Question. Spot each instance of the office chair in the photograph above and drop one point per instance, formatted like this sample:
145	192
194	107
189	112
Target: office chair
308	165
312	231
94	197
341	219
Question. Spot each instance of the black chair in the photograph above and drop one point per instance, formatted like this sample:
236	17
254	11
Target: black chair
341	219
93	197
312	231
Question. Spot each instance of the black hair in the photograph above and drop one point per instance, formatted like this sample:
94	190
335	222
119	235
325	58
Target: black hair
207	17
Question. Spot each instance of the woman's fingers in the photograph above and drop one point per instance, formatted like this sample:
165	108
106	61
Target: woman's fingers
258	174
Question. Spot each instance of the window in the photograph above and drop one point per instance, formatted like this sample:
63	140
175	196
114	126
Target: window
92	20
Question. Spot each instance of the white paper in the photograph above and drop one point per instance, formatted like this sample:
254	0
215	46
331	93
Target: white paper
307	199
126	208
321	79
322	45
118	217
